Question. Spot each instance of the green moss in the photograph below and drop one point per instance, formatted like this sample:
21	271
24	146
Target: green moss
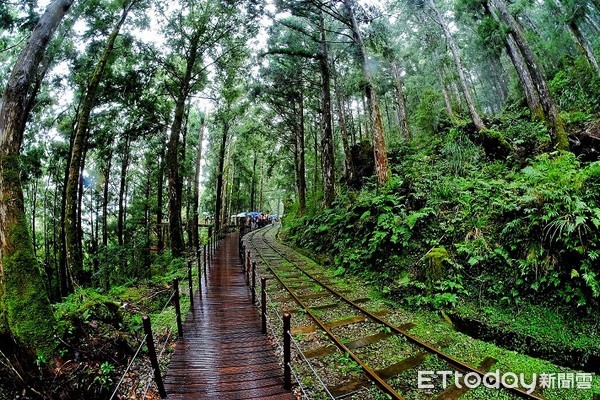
436	258
25	306
495	143
3	324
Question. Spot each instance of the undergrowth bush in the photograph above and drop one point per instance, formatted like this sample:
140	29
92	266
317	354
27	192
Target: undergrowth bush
508	233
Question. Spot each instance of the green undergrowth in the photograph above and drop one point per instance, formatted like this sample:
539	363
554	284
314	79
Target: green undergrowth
511	242
452	225
98	331
432	327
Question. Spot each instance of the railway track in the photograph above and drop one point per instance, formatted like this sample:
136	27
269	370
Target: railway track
313	294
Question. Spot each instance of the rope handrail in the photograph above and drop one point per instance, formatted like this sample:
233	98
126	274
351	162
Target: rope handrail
299	351
139	348
164	347
129	366
310	366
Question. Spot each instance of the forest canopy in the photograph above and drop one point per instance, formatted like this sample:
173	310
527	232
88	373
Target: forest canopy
446	148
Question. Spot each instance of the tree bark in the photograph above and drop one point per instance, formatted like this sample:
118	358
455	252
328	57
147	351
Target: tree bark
584	45
159	201
172	156
73	240
122	190
220	171
379	146
326	126
531	94
105	198
552	117
400	100
195	188
253	180
348	164
24	306
459	67
301	153
447	95
33	212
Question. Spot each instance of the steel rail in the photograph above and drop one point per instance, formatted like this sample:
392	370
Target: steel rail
459	365
380	382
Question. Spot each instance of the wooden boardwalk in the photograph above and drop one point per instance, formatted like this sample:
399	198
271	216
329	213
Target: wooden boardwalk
223	354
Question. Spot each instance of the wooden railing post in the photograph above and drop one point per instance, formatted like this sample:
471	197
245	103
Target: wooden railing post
287	355
199	263
205	258
239	239
243	257
253	287
190	284
177	307
152	355
247	270
263	304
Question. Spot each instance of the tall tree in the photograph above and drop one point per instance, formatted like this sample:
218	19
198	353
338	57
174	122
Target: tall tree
573	13
195	186
73	240
24	307
552	116
379	146
194	32
466	89
326	119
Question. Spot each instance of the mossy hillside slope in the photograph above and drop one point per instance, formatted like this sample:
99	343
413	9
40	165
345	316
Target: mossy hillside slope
508	233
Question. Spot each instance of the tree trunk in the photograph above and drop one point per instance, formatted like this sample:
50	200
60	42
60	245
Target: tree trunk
301	154
24	308
350	113
220	170
531	94
326	126
195	188
379	147
558	133
79	209
459	68
348	164
122	190
73	240
94	234
253	180
400	100
55	235
105	197
447	96
33	212
146	255
175	197
584	45
499	82
159	201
